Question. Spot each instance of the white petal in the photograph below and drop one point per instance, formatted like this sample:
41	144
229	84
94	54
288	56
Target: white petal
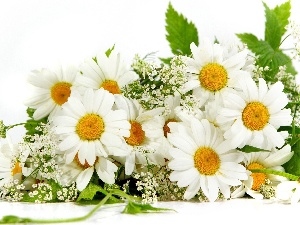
84	178
192	189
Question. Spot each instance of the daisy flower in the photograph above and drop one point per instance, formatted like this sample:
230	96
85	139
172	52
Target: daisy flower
255	114
212	74
288	191
175	112
82	173
203	159
145	134
51	89
11	163
108	72
90	127
265	160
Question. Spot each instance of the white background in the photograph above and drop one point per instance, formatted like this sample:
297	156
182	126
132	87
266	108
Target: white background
46	33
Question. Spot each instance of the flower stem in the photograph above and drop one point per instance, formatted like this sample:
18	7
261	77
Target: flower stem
15	219
276	172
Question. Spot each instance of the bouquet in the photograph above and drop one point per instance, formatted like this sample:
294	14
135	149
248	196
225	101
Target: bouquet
215	121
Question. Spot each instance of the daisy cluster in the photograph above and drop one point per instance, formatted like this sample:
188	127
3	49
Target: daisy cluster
203	127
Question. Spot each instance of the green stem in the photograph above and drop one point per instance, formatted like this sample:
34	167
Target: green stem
276	172
12	126
69	220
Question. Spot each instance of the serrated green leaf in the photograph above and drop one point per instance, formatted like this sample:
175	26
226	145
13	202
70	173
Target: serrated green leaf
90	191
248	149
283	13
267	55
293	165
180	32
272	28
135	208
250	40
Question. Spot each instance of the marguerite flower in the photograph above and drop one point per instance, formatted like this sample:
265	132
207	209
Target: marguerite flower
255	114
265	160
82	173
89	127
146	130
108	72
11	163
212	74
51	90
202	159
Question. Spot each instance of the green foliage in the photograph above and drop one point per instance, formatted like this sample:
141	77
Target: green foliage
90	191
293	165
108	51
268	50
31	124
180	32
135	208
248	149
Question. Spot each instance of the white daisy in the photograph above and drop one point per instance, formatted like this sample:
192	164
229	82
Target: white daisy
265	160
11	163
51	89
255	114
212	74
288	191
89	127
145	134
202	159
82	173
110	73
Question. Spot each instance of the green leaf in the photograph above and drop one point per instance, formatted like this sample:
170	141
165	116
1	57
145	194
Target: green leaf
283	13
12	219
267	55
293	165
31	124
180	32
90	191
89	194
276	21
166	60
108	51
248	149
135	208
272	28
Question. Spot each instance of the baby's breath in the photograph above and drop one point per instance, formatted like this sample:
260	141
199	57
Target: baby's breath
156	83
43	150
68	194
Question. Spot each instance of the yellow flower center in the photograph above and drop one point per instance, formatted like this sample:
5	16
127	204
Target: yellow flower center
258	178
213	77
207	161
85	165
16	169
137	134
255	116
60	92
90	127
111	86
166	127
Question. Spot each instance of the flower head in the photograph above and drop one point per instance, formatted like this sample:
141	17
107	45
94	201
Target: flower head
89	127
107	72
213	72
255	114
146	130
202	159
51	90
